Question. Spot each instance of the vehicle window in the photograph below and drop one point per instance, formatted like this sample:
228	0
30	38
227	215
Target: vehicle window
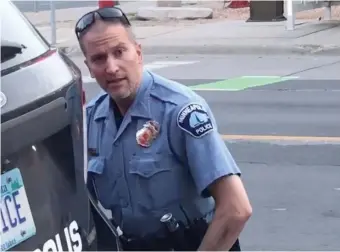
16	29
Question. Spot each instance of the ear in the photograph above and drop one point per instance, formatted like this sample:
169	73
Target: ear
87	64
139	52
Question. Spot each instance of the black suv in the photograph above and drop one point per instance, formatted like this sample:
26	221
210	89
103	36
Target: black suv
44	201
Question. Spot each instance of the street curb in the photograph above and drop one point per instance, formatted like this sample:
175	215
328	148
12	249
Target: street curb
307	50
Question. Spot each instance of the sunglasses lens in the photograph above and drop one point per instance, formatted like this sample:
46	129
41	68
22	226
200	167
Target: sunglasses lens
105	13
113	13
85	22
110	13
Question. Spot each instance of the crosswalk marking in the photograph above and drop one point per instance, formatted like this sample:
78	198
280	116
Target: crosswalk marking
164	64
152	66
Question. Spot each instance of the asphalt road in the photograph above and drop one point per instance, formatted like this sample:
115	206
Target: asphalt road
291	175
290	108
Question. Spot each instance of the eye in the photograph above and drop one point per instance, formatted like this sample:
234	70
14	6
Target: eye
118	53
98	58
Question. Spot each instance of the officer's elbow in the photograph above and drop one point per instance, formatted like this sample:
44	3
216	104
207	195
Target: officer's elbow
242	215
236	216
232	203
248	212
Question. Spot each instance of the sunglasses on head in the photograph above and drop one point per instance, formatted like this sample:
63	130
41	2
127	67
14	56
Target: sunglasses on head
106	14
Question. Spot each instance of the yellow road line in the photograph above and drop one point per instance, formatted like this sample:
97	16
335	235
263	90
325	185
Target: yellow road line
281	138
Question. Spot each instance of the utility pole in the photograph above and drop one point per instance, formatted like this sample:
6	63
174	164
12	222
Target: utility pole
53	23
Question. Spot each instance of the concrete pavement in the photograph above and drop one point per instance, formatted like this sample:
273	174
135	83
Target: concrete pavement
36	6
212	37
238	37
71	14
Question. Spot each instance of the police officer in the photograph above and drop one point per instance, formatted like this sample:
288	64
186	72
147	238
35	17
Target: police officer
154	146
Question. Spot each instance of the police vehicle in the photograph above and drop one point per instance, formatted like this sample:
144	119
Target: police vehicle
44	201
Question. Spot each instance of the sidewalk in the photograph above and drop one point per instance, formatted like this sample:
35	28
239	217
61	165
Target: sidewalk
215	36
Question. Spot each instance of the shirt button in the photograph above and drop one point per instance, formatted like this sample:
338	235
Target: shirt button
116	144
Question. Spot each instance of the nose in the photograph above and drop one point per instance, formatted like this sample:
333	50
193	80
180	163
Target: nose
111	65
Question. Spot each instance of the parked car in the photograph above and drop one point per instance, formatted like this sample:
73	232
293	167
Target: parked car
44	200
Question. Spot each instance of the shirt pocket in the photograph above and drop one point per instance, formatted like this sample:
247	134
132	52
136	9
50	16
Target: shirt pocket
153	181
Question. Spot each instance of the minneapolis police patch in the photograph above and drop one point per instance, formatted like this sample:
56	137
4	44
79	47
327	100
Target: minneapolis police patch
194	119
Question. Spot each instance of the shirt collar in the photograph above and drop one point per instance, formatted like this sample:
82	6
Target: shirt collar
139	108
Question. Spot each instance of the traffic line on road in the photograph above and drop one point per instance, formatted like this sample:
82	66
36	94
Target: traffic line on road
240	83
310	139
165	64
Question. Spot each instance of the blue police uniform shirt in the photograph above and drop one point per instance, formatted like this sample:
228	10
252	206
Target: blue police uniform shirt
140	184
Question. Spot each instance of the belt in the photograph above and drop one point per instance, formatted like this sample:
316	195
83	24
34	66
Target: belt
146	244
141	227
185	238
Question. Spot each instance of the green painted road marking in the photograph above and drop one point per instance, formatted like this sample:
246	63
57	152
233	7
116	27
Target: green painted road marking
240	83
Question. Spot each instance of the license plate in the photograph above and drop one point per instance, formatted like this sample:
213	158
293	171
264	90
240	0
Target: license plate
17	224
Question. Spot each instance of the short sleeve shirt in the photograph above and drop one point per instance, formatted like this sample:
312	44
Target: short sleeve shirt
162	158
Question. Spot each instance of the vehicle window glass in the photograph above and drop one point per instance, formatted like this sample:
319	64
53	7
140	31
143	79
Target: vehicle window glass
16	29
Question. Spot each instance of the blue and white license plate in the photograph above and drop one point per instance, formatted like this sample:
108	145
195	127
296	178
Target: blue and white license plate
17	224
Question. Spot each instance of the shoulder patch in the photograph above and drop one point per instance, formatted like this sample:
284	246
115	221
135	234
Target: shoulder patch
194	119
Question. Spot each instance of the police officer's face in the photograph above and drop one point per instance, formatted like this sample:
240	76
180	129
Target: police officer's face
113	58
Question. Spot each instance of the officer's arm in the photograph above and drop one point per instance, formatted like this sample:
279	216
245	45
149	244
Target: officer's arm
215	174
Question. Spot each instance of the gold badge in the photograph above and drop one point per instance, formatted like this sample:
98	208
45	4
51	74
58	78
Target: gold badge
147	134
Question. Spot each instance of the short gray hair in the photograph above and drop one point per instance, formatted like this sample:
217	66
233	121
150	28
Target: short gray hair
128	28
